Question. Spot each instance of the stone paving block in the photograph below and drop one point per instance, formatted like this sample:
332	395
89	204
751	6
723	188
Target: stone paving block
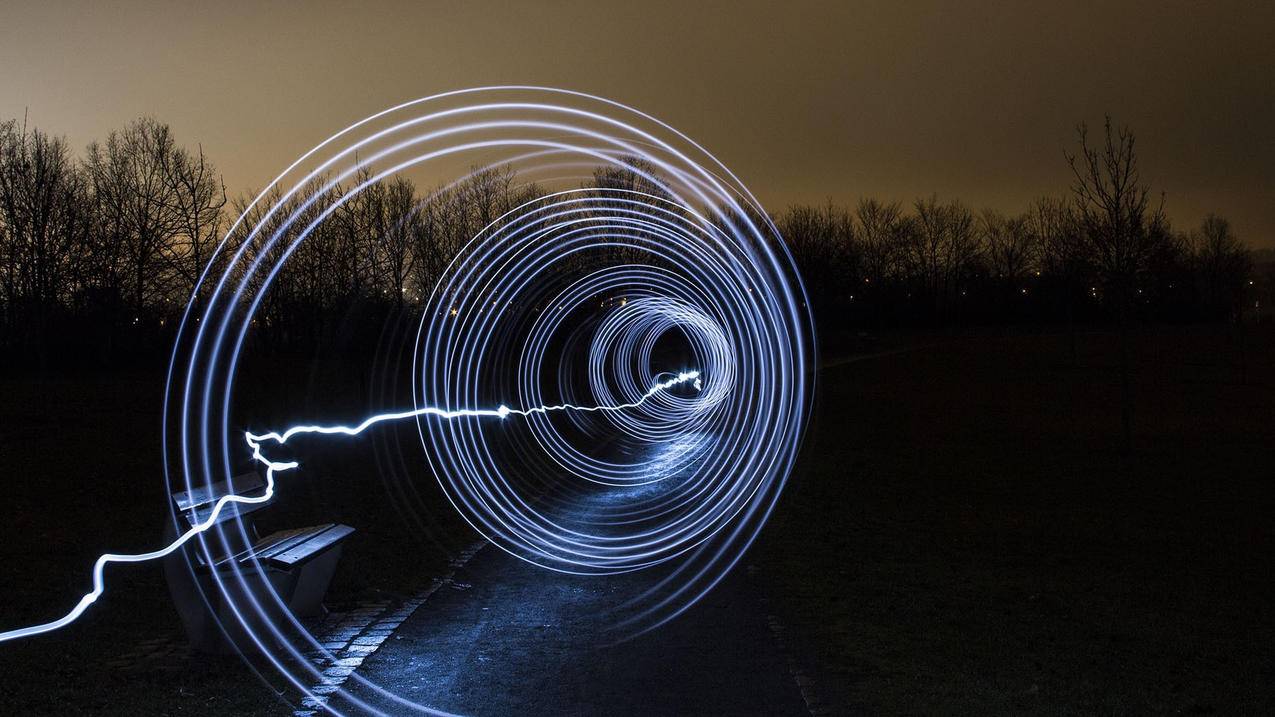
324	689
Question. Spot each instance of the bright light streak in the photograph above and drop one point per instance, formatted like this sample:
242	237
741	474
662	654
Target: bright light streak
98	567
254	442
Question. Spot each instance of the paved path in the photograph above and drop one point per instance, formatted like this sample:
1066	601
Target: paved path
509	638
501	637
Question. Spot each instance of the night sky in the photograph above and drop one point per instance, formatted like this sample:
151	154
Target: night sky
805	101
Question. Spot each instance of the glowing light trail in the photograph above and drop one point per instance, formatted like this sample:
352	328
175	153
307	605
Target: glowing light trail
503	411
254	442
705	280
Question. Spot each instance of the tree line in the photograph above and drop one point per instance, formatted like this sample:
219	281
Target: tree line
1103	250
99	252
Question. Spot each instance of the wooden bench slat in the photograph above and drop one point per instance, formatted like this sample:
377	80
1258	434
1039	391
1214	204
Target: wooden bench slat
289	539
198	504
229	512
244	484
311	547
271	544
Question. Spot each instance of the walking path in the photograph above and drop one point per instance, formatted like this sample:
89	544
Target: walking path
517	639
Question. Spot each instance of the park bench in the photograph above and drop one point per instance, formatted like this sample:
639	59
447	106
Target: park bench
297	565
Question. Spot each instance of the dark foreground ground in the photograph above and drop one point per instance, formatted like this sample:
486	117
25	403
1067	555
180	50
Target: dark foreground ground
966	536
963	536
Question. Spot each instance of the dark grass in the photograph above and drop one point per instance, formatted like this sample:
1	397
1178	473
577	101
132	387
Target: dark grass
81	469
81	473
965	537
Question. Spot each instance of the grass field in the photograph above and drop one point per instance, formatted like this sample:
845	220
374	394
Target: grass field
965	537
962	535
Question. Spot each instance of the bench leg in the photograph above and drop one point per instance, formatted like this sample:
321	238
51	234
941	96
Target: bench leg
313	578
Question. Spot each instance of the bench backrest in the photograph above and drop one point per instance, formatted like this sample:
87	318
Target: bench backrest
198	504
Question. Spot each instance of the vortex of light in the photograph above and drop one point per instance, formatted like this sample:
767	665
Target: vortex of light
586	294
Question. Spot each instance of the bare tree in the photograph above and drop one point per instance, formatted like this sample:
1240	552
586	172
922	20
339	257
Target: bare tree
882	232
488	194
198	197
1061	247
1113	207
45	226
352	250
942	250
1222	265
1012	246
428	237
822	242
1120	229
1063	259
399	226
637	175
132	182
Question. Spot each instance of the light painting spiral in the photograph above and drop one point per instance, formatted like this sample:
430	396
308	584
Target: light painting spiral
611	376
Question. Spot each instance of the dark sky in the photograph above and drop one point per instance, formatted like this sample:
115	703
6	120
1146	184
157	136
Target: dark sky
803	100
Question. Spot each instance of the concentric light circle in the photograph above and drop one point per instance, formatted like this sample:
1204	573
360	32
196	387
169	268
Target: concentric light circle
578	300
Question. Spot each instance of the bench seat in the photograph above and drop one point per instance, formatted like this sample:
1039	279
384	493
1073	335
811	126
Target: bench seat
296	565
287	549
